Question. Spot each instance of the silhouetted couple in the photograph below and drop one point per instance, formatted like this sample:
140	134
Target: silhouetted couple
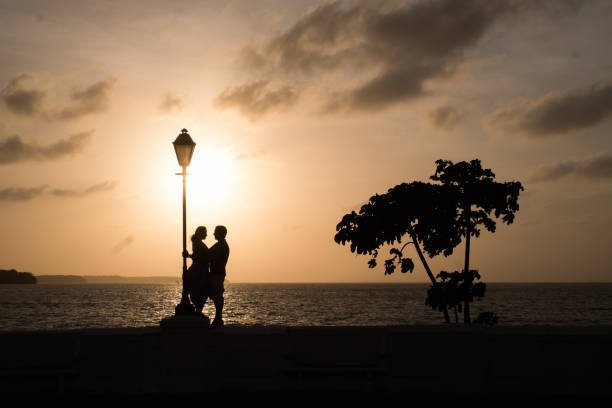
206	274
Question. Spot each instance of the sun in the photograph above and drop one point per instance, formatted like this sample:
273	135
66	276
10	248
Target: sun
212	174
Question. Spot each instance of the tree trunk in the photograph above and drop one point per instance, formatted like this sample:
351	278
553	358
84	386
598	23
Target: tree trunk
466	268
424	261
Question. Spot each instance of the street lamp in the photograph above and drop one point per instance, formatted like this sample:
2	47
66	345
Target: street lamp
184	146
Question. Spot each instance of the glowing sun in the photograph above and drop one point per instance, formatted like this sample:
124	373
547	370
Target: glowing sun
211	179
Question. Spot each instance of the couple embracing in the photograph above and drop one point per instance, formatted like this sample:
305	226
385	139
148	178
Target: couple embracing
206	274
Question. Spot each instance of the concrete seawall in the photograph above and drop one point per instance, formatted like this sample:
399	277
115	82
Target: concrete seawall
538	361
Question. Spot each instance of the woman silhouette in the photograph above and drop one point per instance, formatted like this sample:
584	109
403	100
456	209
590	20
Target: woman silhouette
197	273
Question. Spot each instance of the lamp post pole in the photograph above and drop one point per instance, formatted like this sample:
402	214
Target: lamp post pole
184	147
184	220
186	304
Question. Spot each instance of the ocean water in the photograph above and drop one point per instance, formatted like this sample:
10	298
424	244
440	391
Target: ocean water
46	307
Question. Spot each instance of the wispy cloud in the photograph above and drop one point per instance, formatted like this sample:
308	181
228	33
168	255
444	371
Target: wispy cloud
25	194
125	242
20	99
21	194
169	103
91	100
593	168
15	150
559	112
445	117
368	56
254	99
96	188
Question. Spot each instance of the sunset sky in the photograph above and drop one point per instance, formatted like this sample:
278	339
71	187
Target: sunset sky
301	111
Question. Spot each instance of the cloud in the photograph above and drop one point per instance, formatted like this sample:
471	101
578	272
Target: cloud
368	57
91	100
599	167
594	168
25	194
99	187
21	194
125	242
445	117
15	150
28	102
255	99
21	100
553	171
559	112
169	103
103	186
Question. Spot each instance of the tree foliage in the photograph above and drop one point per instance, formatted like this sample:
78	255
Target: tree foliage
463	199
454	289
435	213
417	209
476	191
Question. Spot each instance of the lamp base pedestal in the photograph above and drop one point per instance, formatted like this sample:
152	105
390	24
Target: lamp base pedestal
185	317
185	308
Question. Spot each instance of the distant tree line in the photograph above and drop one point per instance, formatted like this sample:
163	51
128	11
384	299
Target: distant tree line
12	276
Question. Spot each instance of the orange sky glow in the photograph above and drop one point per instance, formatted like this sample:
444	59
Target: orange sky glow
300	111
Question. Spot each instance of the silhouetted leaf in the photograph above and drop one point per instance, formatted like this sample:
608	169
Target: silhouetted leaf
389	266
395	251
407	265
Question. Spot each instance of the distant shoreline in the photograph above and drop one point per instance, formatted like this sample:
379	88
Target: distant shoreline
104	279
111	279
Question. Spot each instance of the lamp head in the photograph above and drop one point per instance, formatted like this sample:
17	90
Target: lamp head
184	146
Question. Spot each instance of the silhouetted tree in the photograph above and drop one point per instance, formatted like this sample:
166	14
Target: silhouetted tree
436	216
421	212
476	196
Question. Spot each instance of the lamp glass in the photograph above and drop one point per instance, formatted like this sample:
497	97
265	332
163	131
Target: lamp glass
184	147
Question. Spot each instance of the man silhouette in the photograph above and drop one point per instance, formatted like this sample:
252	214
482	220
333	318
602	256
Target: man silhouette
219	253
